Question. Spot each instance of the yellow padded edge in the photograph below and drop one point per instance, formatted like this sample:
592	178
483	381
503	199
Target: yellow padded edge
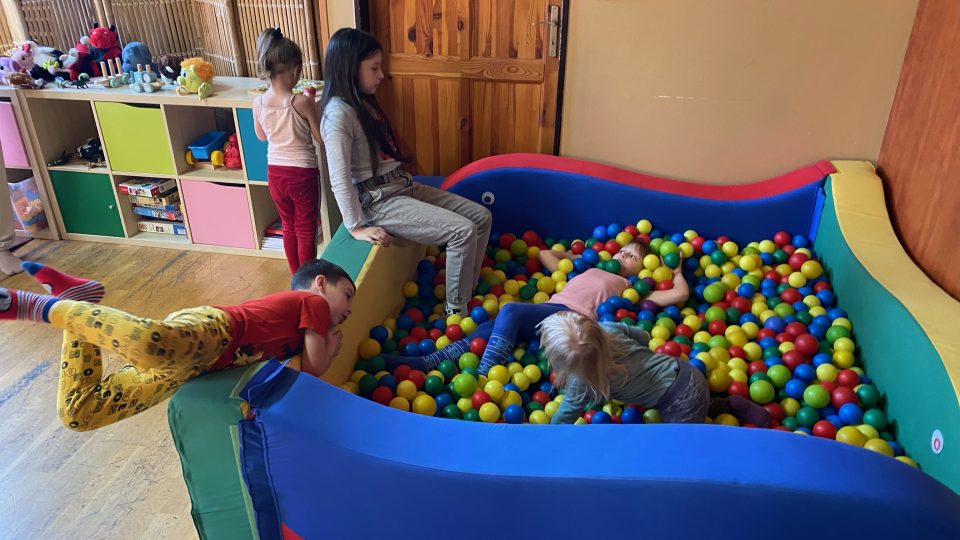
866	227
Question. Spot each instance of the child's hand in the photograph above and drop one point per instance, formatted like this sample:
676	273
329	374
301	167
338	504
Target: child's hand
375	235
334	340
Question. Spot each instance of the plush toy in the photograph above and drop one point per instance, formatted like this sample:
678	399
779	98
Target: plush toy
170	67
135	53
46	61
231	153
22	58
78	60
196	76
6	69
103	47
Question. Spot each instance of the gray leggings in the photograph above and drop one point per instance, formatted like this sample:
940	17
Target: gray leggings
427	215
687	399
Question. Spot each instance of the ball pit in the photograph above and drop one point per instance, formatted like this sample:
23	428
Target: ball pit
751	326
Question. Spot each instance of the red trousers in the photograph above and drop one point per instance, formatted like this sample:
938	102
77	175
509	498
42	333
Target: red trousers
296	192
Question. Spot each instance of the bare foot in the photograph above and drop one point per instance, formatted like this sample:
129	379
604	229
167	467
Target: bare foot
9	263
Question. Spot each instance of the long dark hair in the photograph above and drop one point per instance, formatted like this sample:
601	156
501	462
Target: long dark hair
348	47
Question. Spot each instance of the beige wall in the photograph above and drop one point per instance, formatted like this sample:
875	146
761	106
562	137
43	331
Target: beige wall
341	14
730	91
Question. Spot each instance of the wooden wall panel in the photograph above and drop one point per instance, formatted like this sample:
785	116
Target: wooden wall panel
920	156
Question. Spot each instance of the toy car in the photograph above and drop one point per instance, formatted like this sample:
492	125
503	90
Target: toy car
207	150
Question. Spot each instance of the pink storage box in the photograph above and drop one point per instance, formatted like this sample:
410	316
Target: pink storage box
14	154
218	214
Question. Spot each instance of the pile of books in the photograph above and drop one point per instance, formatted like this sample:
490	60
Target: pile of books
157	202
273	235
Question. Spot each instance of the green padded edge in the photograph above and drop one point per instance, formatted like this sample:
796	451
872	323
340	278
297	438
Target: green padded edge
903	364
206	411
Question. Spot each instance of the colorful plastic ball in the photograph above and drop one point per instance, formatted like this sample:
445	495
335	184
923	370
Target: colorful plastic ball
851	413
872	417
868	395
448	368
433	385
795	388
513	414
851	435
368	348
471	415
407	390
469	360
417	377
761	391
452	411
779	375
454	332
825	429
652	416
382	395
489	412
807	416
600	417
631	415
816	396
380	333
465	384
424	405
400	403
539	417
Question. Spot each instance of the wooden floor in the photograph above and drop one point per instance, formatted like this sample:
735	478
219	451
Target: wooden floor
123	481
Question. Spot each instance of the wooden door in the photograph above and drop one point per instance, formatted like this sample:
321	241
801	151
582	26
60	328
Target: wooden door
466	79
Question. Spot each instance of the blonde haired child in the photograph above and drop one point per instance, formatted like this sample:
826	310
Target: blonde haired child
603	361
289	123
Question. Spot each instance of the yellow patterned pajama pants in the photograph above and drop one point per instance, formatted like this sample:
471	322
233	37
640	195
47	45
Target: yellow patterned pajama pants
162	355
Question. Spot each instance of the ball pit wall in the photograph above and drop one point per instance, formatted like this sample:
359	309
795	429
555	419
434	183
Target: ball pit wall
905	326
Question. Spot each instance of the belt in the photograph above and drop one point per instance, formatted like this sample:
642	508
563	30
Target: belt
377	181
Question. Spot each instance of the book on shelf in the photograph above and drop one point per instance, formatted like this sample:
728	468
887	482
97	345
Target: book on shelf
158	214
148	187
173	207
162	227
276	228
168	199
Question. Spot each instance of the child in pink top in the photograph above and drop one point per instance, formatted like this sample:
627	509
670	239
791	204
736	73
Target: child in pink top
518	321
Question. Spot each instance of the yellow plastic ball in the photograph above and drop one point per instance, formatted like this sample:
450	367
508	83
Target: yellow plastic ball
750	262
368	348
908	461
541	297
767	246
730	249
468	325
520	381
514	367
491	306
726	419
499	373
494	389
708	360
410	289
425	405
357	375
579	421
737	363
464	404
532	373
790	406
662	273
565	266
686	249
797	280
693	322
643	274
612	409
786	346
558	277
879	446
851	435
644	226
721	354
816	311
713	271
811	301
738	338
811	269
489	412
844	344
827	372
753	350
701	337
868	431
651	262
784	269
401	403
719	381
351	387
844	322
632	295
546	284
739	375
511	397
539	417
605	255
623	238
407	390
843	359
730	281
551	408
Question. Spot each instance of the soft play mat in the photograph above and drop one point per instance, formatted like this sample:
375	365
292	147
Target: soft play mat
314	461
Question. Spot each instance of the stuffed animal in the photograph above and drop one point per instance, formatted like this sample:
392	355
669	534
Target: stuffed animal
196	76
6	69
22	58
78	60
46	60
135	53
170	67
103	47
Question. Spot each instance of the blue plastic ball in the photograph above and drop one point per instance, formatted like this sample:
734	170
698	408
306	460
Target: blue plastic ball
389	381
404	322
746	290
513	414
709	247
613	229
820	359
427	346
697	363
836	421
607	317
411	349
827	298
795	388
836	313
380	333
800	241
805	372
775	323
631	415
600	417
511	386
579	266
851	413
590	256
600	233
479	315
767	259
546	387
443	399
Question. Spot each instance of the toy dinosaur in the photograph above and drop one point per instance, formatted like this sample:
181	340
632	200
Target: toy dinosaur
196	76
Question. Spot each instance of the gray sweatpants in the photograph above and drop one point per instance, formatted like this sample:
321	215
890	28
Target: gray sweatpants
7	235
427	215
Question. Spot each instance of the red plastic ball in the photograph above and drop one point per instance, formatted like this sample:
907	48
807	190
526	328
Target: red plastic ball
776	412
577	248
821	286
506	240
588	416
717	327
757	366
402	372
730	296
825	429
541	397
842	395
454	332
476	302
685	349
408	339
671	348
782	238
417	377
434	334
497	290
533	266
382	395
796	328
765	333
829	386
697	243
792	359
791	295
736	352
772	274
796	261
789	249
664	285
479	398
531	238
612	246
738	388
740	304
632	230
597	246
645	238
622	314
783	337
477	346
722	239
419	333
807	344
848	378
683	330
415	314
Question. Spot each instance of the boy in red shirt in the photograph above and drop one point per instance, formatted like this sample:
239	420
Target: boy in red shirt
162	355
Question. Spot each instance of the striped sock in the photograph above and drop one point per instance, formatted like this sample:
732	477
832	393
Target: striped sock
64	285
25	306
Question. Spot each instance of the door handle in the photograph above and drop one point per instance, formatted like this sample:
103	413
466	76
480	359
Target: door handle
554	23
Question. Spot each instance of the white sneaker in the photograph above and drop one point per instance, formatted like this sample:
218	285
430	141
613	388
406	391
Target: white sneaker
453	309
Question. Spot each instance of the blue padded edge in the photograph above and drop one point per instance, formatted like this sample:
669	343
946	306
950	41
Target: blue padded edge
516	189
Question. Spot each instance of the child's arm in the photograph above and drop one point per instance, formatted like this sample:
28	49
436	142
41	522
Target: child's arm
306	108
573	404
257	128
318	351
677	295
550	258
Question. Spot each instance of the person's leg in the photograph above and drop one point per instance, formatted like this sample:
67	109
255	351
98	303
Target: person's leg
63	285
513	321
305	193
745	410
407	217
452	351
688	399
278	179
481	217
9	263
